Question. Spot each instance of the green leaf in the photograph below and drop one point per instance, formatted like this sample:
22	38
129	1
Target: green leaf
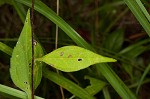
96	85
21	60
73	58
20	69
38	52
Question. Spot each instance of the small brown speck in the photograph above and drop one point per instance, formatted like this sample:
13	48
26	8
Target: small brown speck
62	53
70	56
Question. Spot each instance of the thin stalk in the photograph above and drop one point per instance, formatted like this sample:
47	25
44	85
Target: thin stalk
56	46
32	68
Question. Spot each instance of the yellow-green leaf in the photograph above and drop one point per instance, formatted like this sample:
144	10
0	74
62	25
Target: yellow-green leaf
21	60
38	52
96	85
20	68
73	58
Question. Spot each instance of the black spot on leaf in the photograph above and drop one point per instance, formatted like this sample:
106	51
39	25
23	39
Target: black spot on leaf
26	82
79	59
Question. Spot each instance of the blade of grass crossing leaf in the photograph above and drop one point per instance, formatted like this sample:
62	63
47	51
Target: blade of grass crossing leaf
106	93
47	12
142	78
143	9
12	93
5	48
67	84
134	7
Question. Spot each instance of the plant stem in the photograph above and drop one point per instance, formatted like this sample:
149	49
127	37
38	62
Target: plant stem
32	68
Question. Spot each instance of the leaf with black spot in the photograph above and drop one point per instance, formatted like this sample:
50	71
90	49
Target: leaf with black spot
73	58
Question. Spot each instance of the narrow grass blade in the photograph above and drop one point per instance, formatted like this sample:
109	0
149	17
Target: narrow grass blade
141	6
115	81
142	78
136	10
106	93
12	93
67	84
20	10
5	48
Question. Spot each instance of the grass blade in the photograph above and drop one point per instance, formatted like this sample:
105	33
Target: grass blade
142	78
20	10
136	10
67	84
141	6
115	81
5	48
13	93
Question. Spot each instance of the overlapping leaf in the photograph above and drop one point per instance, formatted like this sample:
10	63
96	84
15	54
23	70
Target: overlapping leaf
21	60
